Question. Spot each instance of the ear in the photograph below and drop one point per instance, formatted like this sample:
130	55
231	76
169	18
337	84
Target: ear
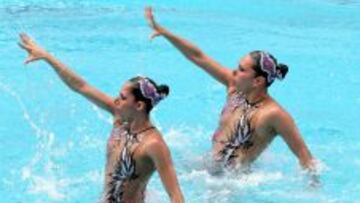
140	106
259	81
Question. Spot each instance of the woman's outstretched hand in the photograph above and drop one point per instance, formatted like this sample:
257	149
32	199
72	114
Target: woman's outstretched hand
152	23
35	52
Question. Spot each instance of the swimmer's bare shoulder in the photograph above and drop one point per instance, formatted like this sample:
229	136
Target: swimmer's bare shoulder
154	146
154	139
270	113
275	115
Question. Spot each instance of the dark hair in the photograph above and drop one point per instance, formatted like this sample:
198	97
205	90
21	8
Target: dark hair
282	69
161	89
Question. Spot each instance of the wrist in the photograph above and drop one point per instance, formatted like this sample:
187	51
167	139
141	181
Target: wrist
161	30
47	57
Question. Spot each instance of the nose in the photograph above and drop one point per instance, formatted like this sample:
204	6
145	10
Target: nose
117	101
234	72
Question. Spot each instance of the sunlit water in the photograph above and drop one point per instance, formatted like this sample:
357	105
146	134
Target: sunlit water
52	145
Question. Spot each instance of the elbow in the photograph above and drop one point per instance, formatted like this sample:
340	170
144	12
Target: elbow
197	57
195	54
80	87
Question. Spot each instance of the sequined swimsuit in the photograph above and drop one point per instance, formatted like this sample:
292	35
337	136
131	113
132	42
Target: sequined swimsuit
239	137
125	168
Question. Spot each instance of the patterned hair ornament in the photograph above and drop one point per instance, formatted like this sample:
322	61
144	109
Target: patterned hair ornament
268	65
149	91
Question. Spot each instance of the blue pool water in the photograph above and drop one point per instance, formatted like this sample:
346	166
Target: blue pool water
52	141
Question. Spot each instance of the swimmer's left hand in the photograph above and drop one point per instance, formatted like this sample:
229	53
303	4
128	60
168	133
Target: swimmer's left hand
35	52
312	170
315	181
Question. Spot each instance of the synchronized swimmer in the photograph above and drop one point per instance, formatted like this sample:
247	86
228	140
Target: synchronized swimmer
251	118
135	149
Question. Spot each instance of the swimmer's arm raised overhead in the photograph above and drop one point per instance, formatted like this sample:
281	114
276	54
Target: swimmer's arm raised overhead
72	80
190	51
160	155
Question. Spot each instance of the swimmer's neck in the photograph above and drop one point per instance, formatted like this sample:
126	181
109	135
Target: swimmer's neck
256	96
140	123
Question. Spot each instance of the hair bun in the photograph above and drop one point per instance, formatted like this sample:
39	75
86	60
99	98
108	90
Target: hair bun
282	70
163	89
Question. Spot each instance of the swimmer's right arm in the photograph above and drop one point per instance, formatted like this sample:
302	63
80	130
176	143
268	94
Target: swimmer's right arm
286	127
70	78
160	155
190	51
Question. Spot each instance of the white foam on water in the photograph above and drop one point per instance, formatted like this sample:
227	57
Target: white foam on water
299	196
234	181
49	186
186	138
55	187
41	174
155	196
43	183
211	188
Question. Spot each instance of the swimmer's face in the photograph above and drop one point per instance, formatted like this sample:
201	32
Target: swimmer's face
125	103
244	74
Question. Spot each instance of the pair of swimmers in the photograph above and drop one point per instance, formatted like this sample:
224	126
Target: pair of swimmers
249	121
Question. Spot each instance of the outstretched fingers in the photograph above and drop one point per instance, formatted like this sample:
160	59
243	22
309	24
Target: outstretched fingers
151	21
28	45
25	38
25	42
149	16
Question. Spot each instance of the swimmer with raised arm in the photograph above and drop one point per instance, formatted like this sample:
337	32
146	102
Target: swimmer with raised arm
251	118
135	149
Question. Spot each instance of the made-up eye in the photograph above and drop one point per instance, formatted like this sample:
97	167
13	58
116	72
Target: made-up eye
122	97
240	68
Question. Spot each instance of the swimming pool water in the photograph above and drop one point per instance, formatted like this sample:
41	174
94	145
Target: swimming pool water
52	145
